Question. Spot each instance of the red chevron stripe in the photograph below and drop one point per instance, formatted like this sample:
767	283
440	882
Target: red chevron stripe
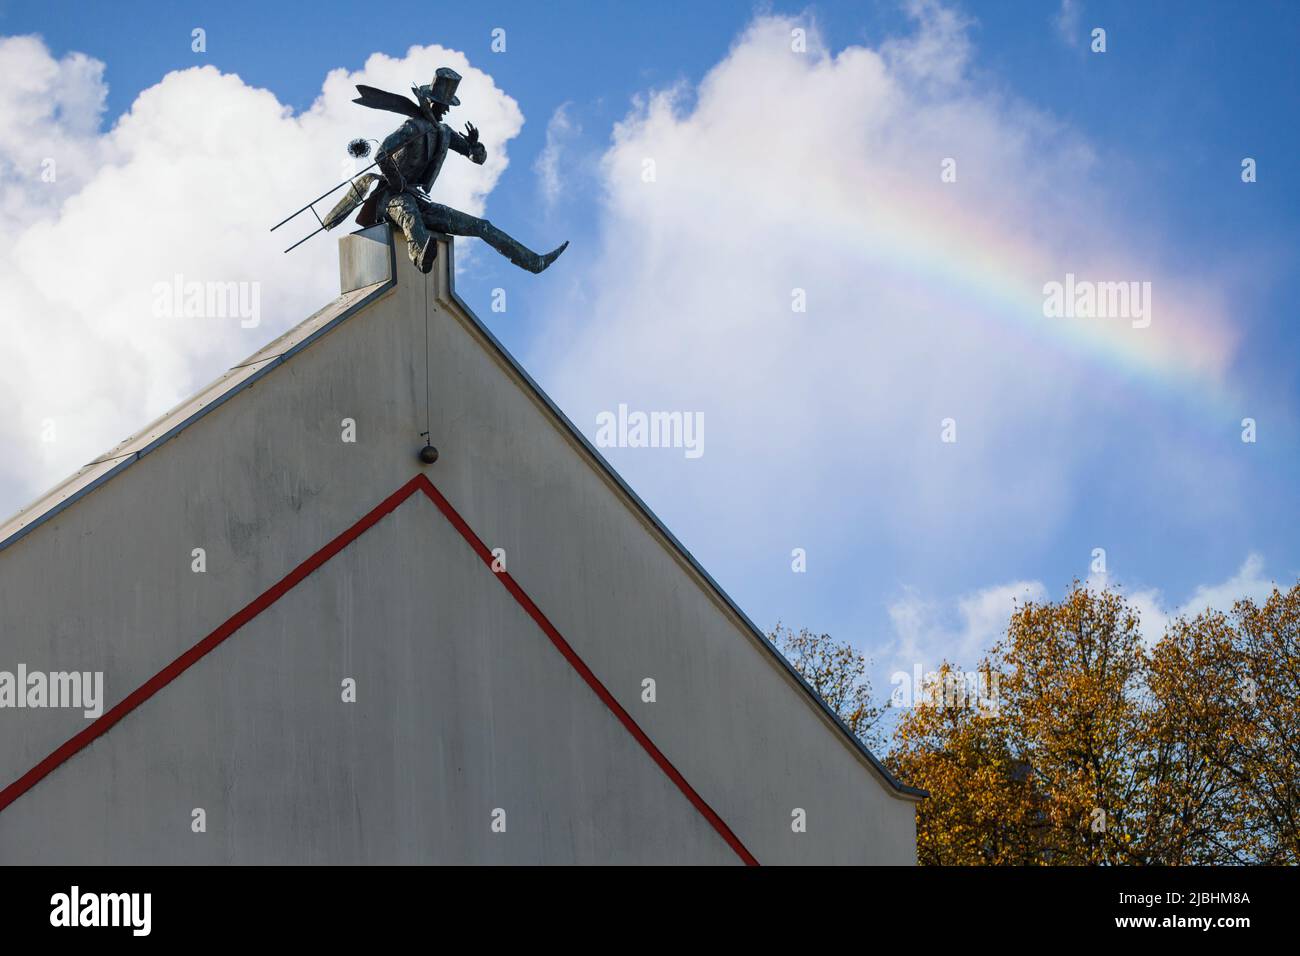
420	482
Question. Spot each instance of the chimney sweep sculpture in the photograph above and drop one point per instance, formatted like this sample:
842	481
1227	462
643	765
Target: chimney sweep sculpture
409	161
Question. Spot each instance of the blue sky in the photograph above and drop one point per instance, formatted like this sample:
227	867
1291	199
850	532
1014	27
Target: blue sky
825	435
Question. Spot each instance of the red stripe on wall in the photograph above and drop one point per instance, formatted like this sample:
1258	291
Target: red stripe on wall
585	672
295	577
183	663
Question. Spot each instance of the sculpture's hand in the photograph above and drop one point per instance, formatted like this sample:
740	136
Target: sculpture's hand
471	134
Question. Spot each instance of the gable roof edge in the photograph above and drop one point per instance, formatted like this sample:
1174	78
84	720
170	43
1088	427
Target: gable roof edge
271	362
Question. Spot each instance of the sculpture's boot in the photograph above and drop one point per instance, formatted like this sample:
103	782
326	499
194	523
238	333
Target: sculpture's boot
516	251
551	256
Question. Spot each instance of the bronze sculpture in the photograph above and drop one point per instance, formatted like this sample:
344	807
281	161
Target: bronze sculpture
410	160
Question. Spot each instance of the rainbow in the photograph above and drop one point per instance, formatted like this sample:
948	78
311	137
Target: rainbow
1184	351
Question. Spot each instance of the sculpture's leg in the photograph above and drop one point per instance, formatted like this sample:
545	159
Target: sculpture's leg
458	223
405	213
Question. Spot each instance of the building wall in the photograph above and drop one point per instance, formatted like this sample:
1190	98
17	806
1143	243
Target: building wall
450	673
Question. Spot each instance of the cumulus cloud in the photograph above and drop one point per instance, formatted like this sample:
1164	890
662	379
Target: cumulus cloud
187	182
788	179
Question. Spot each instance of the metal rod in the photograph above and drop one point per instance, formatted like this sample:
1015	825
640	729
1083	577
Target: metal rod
309	205
304	239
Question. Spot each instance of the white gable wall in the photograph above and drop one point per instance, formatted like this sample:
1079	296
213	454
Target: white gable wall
263	482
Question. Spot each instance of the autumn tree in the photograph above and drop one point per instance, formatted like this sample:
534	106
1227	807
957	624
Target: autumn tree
983	808
838	673
1101	750
1111	758
1231	683
1076	743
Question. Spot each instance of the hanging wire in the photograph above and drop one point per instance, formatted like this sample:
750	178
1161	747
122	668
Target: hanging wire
428	426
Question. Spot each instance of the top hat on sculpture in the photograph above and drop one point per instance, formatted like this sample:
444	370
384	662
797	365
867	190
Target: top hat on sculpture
442	90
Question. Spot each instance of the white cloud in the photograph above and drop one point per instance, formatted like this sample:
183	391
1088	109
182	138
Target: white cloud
985	613
559	133
821	172
1248	582
928	632
938	53
1153	610
1067	22
187	182
1153	616
1156	611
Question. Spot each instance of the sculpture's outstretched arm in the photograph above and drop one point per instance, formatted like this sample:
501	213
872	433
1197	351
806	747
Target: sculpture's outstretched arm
468	145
